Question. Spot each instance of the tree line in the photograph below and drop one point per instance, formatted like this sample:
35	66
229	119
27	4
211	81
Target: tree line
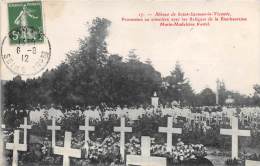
91	76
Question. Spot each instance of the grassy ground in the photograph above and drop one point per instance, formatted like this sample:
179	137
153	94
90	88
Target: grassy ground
219	160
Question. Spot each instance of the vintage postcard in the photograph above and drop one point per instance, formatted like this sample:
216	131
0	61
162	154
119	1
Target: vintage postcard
130	83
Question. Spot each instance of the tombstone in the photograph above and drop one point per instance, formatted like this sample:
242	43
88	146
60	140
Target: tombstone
53	129
252	163
25	127
145	159
170	130
67	151
155	100
87	128
122	129
15	147
235	133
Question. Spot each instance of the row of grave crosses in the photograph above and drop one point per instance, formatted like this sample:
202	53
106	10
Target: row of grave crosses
223	118
251	118
144	160
200	119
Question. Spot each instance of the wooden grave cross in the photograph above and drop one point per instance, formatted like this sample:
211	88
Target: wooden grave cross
53	129
170	130
15	147
145	159
25	127
67	151
87	128
235	133
122	129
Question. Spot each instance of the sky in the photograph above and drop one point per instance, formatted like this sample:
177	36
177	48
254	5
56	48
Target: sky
228	51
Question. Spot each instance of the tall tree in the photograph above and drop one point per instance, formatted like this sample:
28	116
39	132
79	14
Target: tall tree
178	87
206	97
130	82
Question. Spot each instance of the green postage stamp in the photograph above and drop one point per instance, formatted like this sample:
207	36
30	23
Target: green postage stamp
25	22
25	50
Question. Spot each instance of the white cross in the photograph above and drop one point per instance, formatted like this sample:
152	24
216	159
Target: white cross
67	151
252	163
235	132
53	129
122	129
170	130
16	147
87	128
145	159
25	127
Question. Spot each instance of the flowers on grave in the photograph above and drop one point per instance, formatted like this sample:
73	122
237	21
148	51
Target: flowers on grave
105	151
180	151
44	150
108	150
45	146
134	146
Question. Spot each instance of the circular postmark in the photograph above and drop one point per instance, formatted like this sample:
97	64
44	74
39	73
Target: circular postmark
25	51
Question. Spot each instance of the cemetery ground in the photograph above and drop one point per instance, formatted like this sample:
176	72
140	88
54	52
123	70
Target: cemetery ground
219	156
119	140
215	155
